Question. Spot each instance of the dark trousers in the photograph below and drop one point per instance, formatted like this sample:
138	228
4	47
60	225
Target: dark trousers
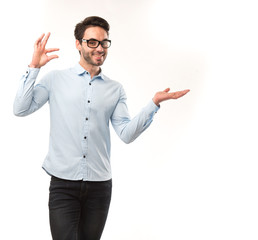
78	209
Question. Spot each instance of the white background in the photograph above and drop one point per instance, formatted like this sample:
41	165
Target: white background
193	173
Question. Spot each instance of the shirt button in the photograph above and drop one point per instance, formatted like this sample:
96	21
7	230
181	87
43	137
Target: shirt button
89	83
87	119
85	137
84	156
88	101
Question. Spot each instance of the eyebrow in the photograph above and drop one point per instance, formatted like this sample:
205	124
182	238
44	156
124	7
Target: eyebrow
98	40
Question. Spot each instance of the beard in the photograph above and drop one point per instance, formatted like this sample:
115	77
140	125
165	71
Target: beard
95	58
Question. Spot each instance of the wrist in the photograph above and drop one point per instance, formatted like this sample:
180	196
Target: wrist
33	65
156	101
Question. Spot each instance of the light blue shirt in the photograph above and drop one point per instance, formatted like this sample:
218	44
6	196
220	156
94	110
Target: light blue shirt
81	109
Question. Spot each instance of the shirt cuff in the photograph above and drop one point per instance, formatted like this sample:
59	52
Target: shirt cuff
32	72
152	107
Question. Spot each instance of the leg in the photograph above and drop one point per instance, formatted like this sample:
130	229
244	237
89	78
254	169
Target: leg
95	208
64	209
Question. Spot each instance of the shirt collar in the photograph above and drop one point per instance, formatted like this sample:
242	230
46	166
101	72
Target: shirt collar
80	70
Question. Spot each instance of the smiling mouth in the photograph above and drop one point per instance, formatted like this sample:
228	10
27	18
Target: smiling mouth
99	57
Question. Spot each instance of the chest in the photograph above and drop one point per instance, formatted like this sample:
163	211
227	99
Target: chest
75	97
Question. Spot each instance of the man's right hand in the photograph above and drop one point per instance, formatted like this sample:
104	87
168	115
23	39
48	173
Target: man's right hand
40	57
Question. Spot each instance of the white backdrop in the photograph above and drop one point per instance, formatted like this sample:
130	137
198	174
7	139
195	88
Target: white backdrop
196	175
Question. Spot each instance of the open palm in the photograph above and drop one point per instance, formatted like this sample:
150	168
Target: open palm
166	95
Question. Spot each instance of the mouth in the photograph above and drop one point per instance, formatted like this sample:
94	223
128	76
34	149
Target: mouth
98	53
99	57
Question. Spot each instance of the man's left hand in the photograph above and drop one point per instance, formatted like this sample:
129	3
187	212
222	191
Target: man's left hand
166	95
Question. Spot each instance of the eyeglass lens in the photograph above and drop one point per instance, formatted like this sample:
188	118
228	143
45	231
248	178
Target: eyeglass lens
95	43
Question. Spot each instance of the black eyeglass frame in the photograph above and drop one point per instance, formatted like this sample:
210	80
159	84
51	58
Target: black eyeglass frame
99	42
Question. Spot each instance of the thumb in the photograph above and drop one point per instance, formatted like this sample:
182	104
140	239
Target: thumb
167	90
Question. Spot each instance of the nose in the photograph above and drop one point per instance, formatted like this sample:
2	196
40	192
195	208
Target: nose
100	48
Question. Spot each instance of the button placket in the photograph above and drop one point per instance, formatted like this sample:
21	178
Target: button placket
87	108
86	126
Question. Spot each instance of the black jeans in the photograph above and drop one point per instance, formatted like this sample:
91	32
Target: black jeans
78	209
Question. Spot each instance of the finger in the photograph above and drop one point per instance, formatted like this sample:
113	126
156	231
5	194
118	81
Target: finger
52	57
39	39
167	90
185	91
45	39
180	93
49	50
176	95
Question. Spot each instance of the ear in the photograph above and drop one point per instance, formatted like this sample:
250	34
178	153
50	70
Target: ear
78	45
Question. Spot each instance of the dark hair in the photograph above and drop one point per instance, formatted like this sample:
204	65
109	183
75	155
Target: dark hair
89	22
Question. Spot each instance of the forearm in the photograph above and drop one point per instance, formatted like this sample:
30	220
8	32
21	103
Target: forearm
130	129
23	102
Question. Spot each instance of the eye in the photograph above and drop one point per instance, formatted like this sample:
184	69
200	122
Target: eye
105	44
92	43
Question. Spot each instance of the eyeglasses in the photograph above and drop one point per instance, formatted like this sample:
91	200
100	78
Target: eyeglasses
93	43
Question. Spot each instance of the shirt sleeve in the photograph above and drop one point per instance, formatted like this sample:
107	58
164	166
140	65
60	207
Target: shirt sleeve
30	98
129	129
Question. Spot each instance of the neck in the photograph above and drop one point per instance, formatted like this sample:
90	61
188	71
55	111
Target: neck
93	70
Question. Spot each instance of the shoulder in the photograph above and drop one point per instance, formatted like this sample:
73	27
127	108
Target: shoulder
112	81
58	72
54	78
54	75
117	87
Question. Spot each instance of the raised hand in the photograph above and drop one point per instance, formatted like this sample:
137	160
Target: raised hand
166	95
40	57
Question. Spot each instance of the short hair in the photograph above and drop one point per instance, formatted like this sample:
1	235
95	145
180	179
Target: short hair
93	21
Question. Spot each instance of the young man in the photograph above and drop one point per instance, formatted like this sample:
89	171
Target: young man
82	102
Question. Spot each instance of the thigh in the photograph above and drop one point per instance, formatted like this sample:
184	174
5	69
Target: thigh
64	209
95	210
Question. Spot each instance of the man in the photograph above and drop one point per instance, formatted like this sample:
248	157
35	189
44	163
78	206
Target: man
82	102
